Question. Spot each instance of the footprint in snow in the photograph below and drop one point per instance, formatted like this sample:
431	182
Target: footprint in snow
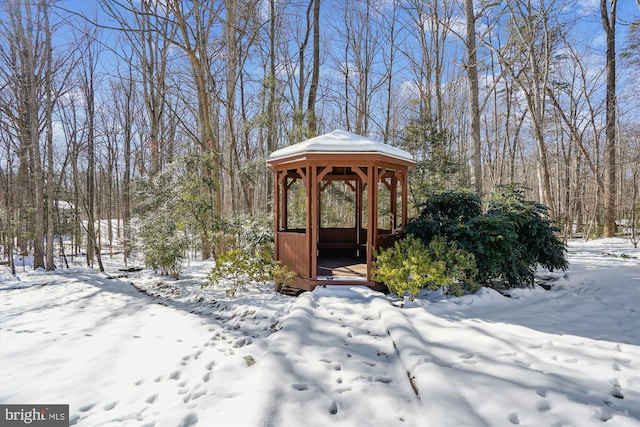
333	408
151	399
86	407
110	406
140	381
300	387
242	342
194	396
616	391
622	361
541	392
206	377
513	417
606	414
189	420
175	375
543	406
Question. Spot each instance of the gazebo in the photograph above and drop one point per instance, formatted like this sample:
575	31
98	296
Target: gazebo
337	198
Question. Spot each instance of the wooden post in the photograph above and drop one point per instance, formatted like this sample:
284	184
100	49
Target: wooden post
371	218
358	215
312	221
284	204
393	196
405	198
276	216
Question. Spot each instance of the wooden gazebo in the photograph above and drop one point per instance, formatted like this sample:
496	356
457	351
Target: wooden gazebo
337	198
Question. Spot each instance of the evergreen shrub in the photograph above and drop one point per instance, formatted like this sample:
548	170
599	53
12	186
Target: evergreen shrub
409	266
163	243
508	241
233	265
251	256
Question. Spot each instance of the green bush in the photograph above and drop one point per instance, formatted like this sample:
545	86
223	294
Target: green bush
508	242
539	244
460	267
251	258
494	243
163	243
442	213
234	265
409	266
282	275
238	266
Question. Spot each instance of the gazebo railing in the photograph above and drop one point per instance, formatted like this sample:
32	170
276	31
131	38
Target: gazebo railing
293	251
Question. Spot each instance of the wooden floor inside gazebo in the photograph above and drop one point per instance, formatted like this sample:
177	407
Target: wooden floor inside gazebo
342	268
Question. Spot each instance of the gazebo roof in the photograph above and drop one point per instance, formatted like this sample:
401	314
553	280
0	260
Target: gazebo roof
340	142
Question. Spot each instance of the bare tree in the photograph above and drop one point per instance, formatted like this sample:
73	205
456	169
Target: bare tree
23	53
7	182
608	15
124	100
299	115
527	59
361	34
88	80
315	73
474	103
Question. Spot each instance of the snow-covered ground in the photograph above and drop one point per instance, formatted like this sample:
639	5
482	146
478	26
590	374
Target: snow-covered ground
168	353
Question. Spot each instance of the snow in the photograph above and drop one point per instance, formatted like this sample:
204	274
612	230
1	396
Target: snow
340	141
137	349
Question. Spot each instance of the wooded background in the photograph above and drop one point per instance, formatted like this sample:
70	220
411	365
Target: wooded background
125	108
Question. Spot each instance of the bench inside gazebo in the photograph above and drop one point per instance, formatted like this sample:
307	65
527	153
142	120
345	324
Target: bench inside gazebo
337	198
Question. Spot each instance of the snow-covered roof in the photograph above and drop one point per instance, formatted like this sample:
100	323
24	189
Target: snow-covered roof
340	142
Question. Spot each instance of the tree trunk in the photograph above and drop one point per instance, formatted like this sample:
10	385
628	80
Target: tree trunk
271	90
609	25
474	106
231	83
315	72
49	122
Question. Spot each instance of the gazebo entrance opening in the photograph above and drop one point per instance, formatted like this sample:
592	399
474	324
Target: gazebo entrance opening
342	236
